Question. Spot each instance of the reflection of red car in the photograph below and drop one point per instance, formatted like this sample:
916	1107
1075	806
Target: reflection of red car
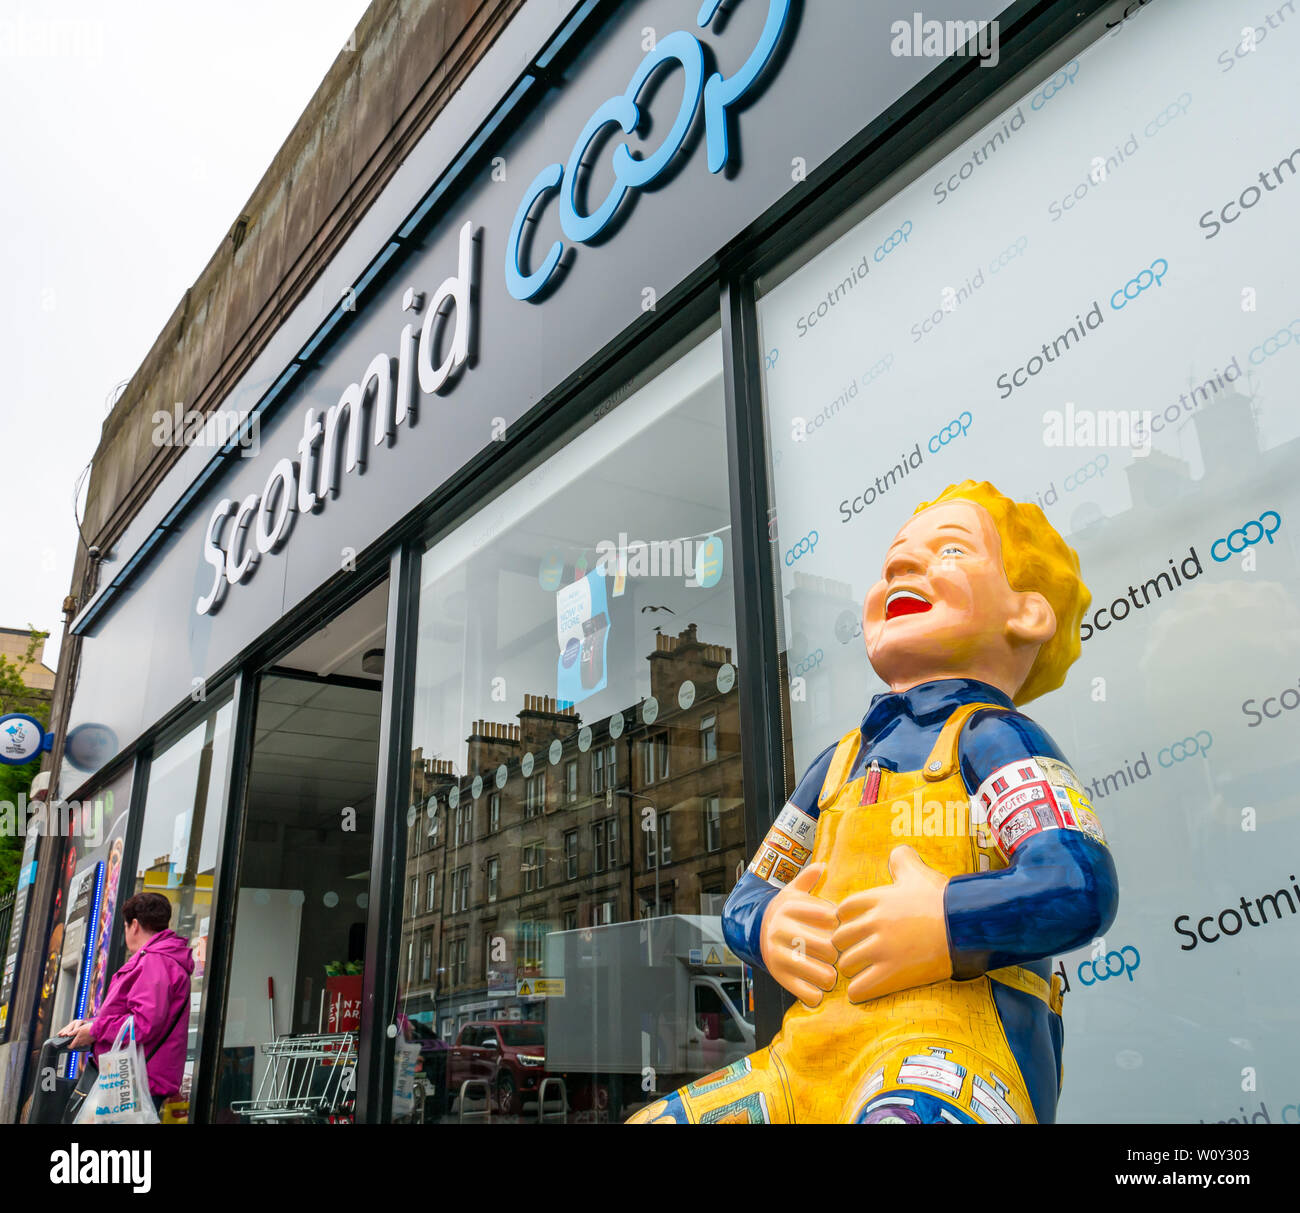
508	1054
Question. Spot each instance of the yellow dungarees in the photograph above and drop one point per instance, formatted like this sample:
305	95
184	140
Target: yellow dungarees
944	1040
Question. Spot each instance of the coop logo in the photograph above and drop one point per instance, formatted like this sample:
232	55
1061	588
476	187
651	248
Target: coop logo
1009	254
719	95
1189	747
1061	80
1123	963
805	547
1154	275
1094	469
1276	343
951	432
898	236
1249	535
809	663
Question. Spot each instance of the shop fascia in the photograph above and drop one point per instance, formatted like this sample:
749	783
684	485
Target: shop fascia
386	398
334	440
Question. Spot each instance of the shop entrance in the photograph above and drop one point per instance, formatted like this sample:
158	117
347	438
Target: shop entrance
293	1006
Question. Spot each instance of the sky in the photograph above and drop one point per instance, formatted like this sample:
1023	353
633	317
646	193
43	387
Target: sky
133	134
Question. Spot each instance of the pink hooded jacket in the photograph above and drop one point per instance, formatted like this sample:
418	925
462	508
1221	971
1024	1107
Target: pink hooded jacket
154	986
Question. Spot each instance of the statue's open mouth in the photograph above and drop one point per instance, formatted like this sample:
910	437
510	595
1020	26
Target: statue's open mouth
905	602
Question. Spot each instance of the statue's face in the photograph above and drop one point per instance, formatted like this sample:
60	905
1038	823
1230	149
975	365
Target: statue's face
943	603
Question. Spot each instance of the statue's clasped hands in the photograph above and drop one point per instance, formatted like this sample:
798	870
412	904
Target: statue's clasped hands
882	940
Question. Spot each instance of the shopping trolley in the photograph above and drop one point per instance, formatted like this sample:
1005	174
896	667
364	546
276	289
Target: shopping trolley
307	1078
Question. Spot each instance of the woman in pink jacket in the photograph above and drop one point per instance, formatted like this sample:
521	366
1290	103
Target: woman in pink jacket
154	987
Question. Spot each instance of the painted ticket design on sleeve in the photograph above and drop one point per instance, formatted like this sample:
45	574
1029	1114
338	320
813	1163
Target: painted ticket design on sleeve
1030	795
787	847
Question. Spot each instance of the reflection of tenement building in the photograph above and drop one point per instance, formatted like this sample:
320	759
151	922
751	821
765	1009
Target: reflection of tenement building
555	826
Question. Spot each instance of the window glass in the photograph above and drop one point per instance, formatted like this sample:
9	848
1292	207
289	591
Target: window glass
1087	297
297	963
587	608
183	813
85	910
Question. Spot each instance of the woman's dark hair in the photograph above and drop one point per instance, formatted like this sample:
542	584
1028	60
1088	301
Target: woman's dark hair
152	910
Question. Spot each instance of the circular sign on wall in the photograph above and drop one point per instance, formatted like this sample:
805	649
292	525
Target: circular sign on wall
21	739
476	788
557	750
526	764
431	806
501	776
650	710
726	678
616	726
89	746
686	695
453	796
584	738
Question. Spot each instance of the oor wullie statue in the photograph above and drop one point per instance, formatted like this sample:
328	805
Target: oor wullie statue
914	889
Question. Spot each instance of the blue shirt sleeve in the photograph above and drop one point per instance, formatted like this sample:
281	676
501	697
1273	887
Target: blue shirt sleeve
742	916
1060	889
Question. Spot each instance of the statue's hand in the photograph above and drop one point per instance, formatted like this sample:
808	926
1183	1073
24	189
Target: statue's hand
795	938
895	936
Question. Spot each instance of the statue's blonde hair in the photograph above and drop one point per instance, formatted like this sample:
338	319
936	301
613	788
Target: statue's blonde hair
1035	559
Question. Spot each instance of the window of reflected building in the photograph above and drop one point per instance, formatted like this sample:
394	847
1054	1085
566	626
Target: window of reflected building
575	693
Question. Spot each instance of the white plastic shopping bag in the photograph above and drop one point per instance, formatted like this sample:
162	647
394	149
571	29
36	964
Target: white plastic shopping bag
121	1095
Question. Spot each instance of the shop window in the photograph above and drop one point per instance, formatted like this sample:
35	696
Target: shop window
658	840
650	908
1142	442
604	844
712	824
179	837
460	889
458	960
534	864
534	607
709	738
654	758
535	803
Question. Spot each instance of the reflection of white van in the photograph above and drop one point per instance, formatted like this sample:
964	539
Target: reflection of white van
658	999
